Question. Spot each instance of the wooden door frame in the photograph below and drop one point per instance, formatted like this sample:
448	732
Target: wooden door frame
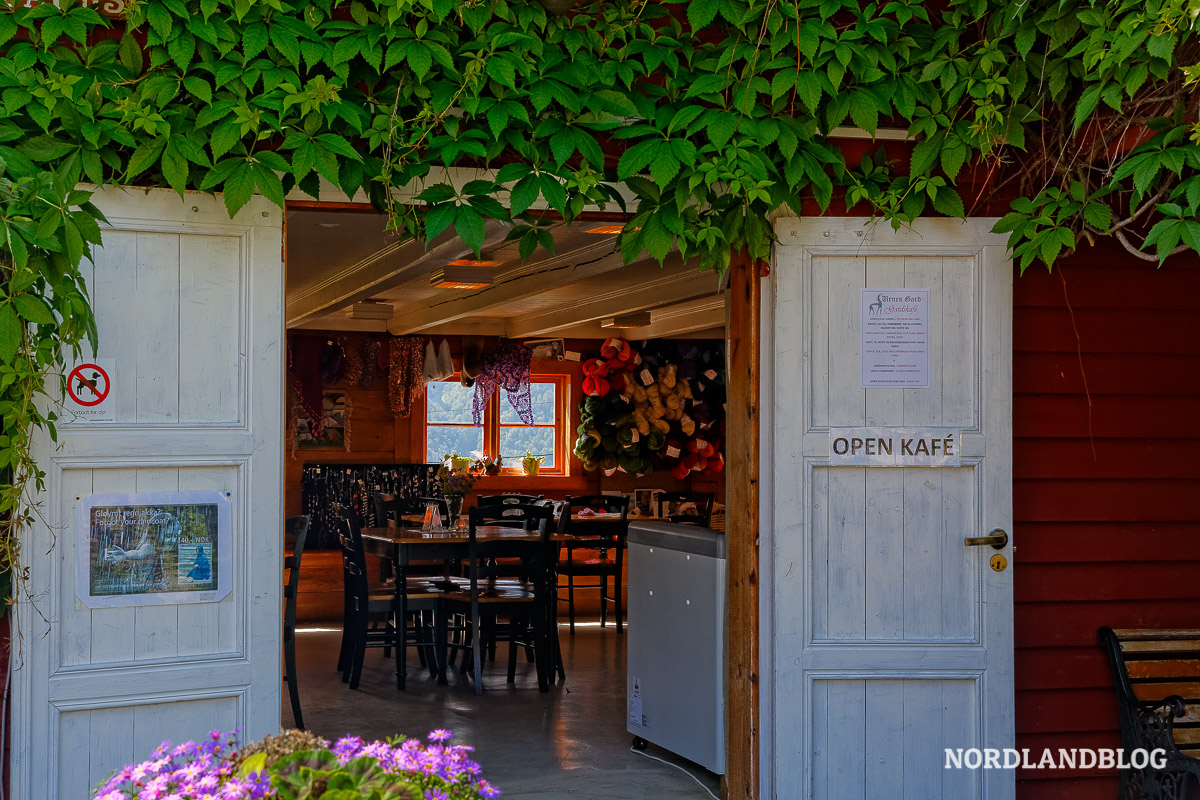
743	337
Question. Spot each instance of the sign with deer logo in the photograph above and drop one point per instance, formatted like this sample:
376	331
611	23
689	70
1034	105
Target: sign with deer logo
894	349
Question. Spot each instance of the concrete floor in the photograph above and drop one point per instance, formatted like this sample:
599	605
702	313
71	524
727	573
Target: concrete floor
568	743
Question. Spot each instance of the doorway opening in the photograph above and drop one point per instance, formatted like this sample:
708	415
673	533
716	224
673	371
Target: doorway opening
351	288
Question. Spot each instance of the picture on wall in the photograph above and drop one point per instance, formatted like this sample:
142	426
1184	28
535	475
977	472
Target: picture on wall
335	412
157	547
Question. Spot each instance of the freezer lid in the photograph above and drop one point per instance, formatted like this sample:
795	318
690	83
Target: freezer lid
678	536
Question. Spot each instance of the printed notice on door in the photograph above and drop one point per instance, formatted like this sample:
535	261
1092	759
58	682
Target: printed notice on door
152	548
895	338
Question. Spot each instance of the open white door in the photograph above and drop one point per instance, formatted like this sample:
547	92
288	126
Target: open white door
189	308
892	641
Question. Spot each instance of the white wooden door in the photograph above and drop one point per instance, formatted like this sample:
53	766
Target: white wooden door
892	641
189	308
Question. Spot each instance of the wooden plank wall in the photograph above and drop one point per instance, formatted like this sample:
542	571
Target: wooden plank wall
1110	536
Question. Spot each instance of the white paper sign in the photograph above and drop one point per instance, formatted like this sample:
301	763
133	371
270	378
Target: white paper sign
895	447
895	338
89	391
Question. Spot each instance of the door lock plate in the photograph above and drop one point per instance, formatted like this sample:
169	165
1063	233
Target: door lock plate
998	562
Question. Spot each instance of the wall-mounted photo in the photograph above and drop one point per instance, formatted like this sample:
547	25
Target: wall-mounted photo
148	548
335	411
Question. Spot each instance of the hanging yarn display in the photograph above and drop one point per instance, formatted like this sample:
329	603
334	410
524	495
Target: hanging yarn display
406	364
663	407
505	366
333	363
370	362
304	364
354	363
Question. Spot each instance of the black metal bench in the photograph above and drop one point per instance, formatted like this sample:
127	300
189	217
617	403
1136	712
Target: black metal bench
1157	677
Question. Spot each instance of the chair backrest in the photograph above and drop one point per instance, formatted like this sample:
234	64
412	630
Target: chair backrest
534	553
507	499
389	506
590	532
295	528
354	562
702	500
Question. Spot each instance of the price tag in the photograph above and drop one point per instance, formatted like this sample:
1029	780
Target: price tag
711	374
672	452
646	377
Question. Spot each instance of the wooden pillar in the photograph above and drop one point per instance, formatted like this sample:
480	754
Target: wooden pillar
741	531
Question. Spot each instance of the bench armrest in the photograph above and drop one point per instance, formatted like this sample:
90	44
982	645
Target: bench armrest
1154	722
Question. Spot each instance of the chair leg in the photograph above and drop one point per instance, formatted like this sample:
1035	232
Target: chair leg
477	651
289	660
603	600
617	601
513	646
571	601
360	649
440	637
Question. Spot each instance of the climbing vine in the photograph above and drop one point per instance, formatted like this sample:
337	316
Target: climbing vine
702	119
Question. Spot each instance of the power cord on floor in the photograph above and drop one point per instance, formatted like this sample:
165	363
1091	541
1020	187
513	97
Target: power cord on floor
676	766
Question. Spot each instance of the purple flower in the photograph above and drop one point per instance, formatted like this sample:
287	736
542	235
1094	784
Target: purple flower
440	735
436	794
487	790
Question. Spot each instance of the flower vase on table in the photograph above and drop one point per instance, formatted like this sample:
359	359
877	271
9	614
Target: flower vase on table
454	504
456	483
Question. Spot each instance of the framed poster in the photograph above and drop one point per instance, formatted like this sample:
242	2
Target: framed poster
335	411
153	548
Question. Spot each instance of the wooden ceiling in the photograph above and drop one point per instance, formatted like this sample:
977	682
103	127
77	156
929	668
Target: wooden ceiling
337	259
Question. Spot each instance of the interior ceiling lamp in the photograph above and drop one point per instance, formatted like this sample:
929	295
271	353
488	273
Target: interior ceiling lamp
370	309
606	229
470	262
457	277
638	319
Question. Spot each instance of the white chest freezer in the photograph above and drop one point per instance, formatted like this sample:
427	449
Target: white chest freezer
675	679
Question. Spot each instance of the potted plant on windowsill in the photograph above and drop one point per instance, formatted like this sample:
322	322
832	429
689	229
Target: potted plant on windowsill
531	463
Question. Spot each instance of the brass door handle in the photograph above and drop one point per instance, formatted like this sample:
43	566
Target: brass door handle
996	538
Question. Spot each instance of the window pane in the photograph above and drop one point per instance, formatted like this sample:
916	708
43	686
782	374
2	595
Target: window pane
441	441
541	395
515	441
448	401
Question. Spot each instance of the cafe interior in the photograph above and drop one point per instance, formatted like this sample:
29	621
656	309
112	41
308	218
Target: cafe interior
505	486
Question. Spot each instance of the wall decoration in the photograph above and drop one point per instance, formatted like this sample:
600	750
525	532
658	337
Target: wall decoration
153	548
334	427
547	349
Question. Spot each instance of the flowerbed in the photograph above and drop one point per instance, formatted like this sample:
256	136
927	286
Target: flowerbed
297	766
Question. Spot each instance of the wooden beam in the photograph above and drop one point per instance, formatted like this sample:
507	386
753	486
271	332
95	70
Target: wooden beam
550	273
741	531
635	288
387	267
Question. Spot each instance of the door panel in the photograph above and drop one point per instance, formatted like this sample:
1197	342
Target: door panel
189	305
892	640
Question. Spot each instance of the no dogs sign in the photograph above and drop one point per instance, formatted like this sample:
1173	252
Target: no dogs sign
89	395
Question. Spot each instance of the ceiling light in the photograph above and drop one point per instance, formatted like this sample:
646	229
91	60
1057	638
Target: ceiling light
607	229
453	277
638	319
370	309
329	224
467	262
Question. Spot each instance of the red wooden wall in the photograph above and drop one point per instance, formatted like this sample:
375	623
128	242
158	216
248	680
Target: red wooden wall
1107	502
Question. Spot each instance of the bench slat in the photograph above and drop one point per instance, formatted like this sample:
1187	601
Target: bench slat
1185	668
1138	649
1156	634
1189	690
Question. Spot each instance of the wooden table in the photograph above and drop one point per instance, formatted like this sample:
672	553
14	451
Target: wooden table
402	546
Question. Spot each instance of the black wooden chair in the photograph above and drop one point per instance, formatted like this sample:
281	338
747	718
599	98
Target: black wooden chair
701	501
390	508
606	537
524	604
396	614
295	532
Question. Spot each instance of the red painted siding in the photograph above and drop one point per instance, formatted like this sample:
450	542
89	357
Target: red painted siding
1107	502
